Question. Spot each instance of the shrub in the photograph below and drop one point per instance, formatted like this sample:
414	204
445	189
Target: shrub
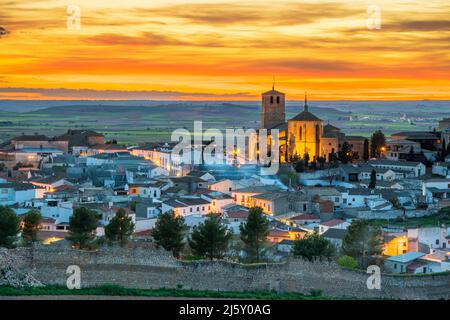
347	262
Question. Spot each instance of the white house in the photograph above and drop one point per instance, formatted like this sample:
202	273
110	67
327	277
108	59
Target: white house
334	223
218	200
57	209
185	206
358	197
19	193
442	169
436	190
416	169
399	263
235	217
143	190
432	237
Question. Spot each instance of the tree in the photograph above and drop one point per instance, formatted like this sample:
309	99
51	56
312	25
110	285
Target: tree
254	232
313	245
395	203
210	239
321	161
366	154
9	227
345	155
299	166
377	143
362	241
169	232
373	179
82	226
306	159
120	228
31	225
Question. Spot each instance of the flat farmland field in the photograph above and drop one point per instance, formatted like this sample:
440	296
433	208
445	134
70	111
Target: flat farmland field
134	122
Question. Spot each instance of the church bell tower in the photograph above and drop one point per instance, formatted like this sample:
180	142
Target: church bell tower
273	109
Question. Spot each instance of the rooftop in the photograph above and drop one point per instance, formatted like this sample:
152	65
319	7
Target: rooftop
406	257
334	233
332	222
305	116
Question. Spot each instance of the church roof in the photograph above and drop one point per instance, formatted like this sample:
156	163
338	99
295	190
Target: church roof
330	127
274	92
305	116
281	126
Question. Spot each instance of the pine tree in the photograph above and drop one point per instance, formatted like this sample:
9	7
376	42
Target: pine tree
366	154
120	228
312	246
31	226
210	239
345	153
82	225
169	232
362	241
377	143
9	227
373	179
254	232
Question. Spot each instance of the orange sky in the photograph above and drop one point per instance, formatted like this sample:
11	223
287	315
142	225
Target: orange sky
215	50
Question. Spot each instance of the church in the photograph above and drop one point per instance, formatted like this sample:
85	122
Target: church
303	134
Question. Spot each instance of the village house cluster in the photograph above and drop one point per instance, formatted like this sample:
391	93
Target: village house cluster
80	168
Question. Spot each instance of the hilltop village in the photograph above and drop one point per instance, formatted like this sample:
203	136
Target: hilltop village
330	188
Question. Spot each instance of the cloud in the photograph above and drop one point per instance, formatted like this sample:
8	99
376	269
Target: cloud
254	14
147	38
42	93
3	31
418	25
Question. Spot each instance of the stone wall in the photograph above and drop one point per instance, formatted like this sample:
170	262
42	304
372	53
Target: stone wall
387	214
150	268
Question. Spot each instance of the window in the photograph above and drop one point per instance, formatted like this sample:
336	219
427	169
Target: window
437	241
271	99
300	133
278	99
395	266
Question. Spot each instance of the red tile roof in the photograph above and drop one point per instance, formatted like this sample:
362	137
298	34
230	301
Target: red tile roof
332	223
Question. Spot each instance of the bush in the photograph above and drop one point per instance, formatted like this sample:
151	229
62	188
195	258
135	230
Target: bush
347	262
315	292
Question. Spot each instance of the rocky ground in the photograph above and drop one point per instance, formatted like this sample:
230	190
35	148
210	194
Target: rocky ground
10	275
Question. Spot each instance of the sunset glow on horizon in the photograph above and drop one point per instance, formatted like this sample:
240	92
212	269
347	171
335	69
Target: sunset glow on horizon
224	50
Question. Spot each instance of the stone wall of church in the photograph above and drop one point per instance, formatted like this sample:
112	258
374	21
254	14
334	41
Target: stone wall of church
273	110
305	137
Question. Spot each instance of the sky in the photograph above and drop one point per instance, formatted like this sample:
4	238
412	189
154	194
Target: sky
224	50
